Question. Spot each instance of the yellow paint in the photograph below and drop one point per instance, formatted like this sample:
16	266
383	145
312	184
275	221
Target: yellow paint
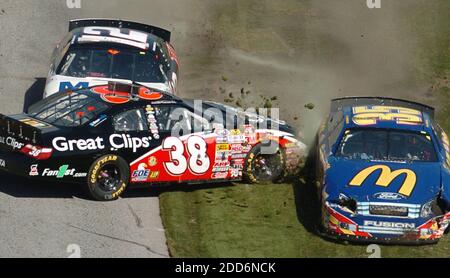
386	177
370	115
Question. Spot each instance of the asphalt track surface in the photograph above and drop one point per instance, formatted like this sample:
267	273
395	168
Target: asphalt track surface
56	220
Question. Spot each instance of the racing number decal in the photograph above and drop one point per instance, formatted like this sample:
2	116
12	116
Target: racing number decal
198	159
177	164
116	32
371	115
386	177
198	162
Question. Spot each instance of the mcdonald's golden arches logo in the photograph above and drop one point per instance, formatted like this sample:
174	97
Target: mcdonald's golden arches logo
386	177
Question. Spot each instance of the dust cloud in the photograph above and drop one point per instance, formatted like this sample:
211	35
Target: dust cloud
304	52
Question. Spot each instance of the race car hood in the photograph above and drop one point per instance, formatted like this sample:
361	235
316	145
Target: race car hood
416	182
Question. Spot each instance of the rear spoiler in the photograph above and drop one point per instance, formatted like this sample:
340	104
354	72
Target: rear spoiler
159	32
18	129
338	103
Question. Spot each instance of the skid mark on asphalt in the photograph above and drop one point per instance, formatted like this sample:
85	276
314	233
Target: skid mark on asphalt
136	217
119	239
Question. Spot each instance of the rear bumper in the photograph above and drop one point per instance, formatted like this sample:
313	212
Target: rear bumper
16	163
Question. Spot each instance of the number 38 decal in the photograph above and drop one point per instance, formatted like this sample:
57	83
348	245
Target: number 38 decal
198	161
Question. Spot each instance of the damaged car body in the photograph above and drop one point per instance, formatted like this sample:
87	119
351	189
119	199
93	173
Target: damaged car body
383	172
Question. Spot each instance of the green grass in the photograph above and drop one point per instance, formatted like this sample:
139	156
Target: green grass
259	221
277	220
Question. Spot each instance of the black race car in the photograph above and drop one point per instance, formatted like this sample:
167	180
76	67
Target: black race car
108	136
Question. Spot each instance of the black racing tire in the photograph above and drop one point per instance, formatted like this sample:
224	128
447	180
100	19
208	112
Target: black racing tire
107	178
276	169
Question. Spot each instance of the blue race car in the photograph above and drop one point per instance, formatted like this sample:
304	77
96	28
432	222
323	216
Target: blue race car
383	172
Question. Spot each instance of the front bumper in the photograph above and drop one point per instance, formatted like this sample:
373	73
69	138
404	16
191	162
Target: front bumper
338	226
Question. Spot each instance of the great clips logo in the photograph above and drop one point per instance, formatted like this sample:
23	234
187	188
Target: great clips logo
116	142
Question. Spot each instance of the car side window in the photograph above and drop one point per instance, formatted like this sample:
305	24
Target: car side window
175	118
444	141
335	130
132	120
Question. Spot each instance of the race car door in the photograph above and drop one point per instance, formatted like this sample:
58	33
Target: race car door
132	133
189	150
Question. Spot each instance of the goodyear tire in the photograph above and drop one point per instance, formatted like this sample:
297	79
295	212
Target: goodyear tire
107	178
265	163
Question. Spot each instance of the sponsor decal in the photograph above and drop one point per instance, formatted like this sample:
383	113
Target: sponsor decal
388	196
100	120
12	142
222	156
234	139
222	134
386	177
239	156
219	175
151	119
164	102
62	172
236	148
34	123
152	161
222	164
144	175
235	173
220	169
396	225
115	97
222	147
238	164
117	141
34	170
2	163
140	175
250	134
64	86
222	139
97	166
147	94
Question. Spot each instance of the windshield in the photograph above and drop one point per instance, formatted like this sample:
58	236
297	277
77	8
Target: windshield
116	63
68	109
386	145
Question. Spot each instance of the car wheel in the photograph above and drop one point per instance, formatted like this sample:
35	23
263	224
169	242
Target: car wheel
108	177
265	163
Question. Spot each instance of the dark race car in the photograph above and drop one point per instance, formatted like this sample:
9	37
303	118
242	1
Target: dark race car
96	51
383	172
108	136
